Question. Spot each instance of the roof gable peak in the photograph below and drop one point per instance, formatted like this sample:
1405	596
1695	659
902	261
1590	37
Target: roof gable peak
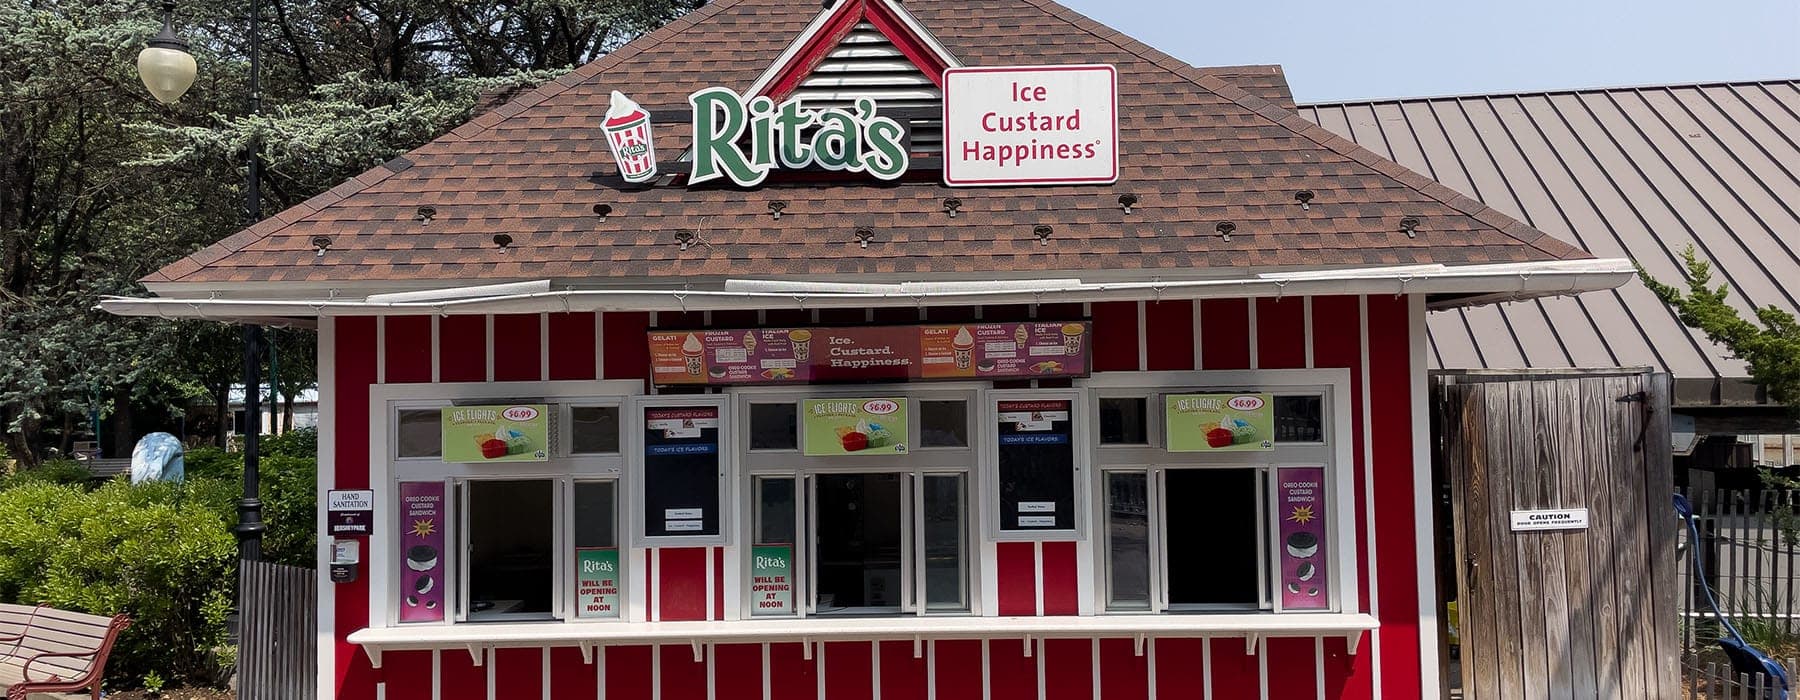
841	22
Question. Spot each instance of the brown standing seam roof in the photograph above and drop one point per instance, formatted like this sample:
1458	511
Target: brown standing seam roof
1197	150
1638	172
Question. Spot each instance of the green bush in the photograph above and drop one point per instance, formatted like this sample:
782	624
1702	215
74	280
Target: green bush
160	553
289	494
58	471
299	442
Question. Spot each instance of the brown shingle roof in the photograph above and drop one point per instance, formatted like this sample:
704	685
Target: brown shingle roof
1196	149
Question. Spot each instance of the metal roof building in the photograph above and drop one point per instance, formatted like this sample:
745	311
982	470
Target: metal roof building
1640	172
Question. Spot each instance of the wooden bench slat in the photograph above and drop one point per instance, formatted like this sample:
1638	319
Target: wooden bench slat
70	646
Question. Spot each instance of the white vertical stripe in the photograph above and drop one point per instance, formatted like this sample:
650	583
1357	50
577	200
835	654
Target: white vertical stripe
1037	564
380	690
1262	667
930	671
875	663
599	345
1094	656
489	320
544	655
437	344
325	637
1306	304
712	691
1426	559
987	693
1319	665
1143	338
1150	667
490	659
1199	356
711	582
765	667
655	584
600	673
1041	648
1372	565
1206	669
1255	342
655	672
543	345
380	353
437	674
819	658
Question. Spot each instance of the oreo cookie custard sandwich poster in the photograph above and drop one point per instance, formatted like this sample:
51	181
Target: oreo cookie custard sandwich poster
422	551
1301	491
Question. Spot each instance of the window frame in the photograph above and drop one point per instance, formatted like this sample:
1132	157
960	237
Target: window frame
1336	454
387	470
917	463
726	479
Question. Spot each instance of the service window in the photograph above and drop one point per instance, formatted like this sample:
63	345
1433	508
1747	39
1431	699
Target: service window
1219	500
509	552
682	471
859	503
1037	449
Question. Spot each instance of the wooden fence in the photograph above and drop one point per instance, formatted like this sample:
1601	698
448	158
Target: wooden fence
1715	681
277	649
1750	545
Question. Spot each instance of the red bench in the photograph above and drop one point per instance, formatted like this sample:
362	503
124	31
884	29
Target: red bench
45	650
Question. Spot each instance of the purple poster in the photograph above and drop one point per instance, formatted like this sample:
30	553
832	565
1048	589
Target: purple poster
1304	556
422	550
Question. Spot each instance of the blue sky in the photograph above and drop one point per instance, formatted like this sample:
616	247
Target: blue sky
1353	49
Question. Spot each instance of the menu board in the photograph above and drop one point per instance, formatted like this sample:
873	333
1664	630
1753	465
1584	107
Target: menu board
513	433
1219	422
597	582
1036	466
839	427
870	353
422	547
681	471
1300	494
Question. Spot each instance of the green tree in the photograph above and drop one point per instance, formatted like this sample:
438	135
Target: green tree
1770	346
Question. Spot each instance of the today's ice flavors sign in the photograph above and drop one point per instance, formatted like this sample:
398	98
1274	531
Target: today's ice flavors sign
510	433
1219	422
1031	125
837	427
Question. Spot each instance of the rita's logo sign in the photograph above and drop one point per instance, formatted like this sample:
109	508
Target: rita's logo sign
787	135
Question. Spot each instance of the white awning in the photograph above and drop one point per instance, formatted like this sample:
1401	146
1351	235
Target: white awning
1452	286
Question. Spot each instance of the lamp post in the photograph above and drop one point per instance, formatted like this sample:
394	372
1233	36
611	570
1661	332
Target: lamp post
168	70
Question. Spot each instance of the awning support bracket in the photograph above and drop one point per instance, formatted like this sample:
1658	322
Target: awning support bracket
1250	641
374	653
918	647
587	653
476	654
1137	644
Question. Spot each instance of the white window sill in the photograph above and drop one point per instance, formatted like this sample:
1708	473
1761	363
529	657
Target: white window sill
478	637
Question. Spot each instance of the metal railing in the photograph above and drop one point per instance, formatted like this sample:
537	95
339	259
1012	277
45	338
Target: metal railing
1749	542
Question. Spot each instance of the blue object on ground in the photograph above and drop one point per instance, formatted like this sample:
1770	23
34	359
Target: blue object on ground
157	457
1745	659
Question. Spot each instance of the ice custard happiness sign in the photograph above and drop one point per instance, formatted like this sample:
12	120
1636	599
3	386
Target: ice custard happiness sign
1038	125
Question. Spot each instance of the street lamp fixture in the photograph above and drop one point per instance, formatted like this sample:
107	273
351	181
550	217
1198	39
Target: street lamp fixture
165	64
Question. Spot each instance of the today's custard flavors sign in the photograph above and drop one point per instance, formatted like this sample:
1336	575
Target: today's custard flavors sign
1033	125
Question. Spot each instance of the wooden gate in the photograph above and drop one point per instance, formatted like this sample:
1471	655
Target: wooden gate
278	641
1582	613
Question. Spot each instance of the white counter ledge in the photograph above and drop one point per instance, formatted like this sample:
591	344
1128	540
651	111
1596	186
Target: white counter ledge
477	637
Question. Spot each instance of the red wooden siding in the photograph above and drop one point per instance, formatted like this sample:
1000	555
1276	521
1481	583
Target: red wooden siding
353	359
627	355
1016	567
1281	333
520	672
572	346
518	348
1169	327
1115	336
406	348
462	349
849	671
681	591
737	671
1026	572
1224	334
1390	415
1061	587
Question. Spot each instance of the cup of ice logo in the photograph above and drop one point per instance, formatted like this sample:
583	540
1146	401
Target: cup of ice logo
627	128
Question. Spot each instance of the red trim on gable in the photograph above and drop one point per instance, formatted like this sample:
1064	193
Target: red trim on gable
844	18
